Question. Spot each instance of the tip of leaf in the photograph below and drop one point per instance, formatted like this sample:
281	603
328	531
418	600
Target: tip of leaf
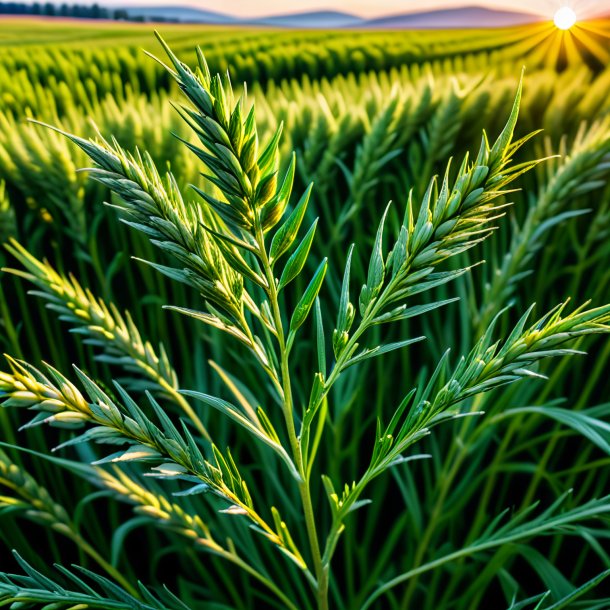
51	127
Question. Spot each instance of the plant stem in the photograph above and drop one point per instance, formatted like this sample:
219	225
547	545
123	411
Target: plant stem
455	459
105	565
238	561
9	328
320	570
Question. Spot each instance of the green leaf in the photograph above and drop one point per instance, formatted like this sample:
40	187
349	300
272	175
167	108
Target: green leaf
268	158
255	428
376	272
309	296
274	209
345	317
403	312
286	234
592	428
320	341
566	602
297	260
346	313
552	578
381	349
504	139
212	320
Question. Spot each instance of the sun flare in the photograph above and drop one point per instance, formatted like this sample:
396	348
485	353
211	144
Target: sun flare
565	18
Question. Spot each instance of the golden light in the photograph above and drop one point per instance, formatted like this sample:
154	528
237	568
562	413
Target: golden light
565	18
574	36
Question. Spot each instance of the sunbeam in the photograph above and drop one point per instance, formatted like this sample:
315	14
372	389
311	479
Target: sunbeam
571	35
593	46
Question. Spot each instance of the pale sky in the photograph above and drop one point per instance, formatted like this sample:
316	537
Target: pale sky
364	8
368	8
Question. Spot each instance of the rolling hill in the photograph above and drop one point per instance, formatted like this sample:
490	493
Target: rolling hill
471	16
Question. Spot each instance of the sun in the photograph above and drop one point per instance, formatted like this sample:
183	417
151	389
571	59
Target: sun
565	18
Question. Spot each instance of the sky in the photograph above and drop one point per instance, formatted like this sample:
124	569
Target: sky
364	8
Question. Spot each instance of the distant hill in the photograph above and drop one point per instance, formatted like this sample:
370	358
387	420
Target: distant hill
466	17
450	18
319	19
314	19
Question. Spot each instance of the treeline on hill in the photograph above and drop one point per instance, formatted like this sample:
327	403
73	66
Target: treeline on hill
77	11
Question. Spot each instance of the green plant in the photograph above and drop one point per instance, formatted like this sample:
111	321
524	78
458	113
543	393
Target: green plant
241	247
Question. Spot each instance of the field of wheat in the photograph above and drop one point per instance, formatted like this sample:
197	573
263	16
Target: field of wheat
305	320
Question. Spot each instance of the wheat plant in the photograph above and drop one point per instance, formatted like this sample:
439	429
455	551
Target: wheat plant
280	506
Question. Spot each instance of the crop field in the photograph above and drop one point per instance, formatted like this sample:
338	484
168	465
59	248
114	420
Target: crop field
304	319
